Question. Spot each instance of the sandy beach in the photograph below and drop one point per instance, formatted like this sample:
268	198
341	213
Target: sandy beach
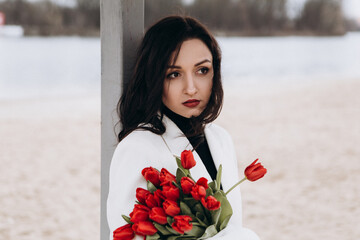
50	174
307	136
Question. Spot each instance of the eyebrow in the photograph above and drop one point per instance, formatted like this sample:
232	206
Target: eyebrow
197	64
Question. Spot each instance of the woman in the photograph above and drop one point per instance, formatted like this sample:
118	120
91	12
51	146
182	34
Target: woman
174	95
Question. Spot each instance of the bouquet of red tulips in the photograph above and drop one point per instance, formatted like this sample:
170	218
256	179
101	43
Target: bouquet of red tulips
178	207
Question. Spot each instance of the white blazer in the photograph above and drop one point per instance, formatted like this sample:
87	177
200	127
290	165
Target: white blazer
142	148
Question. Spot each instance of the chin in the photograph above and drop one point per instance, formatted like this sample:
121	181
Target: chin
191	113
195	114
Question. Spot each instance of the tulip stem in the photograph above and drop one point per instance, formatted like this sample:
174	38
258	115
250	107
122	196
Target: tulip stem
235	185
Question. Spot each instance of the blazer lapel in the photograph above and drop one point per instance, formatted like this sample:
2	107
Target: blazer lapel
175	138
221	155
214	147
177	142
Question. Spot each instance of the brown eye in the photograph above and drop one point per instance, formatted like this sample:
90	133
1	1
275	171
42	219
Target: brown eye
203	70
173	75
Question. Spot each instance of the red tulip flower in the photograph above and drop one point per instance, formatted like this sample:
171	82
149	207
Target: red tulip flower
187	159
152	201
158	194
158	215
198	192
182	224
140	213
144	228
170	191
211	203
152	175
166	176
255	171
203	182
171	208
141	195
186	184
252	173
124	233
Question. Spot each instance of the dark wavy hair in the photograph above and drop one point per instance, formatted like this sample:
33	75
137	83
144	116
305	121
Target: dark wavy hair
141	105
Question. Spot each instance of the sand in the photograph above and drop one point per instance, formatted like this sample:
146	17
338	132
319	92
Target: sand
307	136
50	168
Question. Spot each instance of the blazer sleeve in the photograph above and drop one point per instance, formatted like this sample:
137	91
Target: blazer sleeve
130	157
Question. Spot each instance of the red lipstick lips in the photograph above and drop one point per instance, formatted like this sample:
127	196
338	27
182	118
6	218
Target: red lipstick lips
191	103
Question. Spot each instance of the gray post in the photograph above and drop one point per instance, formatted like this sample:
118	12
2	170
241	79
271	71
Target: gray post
122	27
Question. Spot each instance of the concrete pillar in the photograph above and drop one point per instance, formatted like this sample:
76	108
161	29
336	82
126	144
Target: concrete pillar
122	27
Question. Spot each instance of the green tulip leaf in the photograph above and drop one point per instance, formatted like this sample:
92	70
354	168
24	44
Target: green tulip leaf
178	161
201	222
215	215
172	238
153	237
151	187
226	210
170	220
162	229
180	174
185	210
202	218
222	193
209	192
212	185
224	223
195	223
198	208
170	229
127	219
209	232
196	231
190	202
176	184
181	237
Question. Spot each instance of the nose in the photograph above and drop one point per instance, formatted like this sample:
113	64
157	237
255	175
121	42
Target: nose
190	85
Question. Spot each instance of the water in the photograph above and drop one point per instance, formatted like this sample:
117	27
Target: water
36	66
290	59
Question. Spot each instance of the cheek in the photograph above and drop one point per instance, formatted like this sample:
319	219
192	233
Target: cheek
208	86
208	91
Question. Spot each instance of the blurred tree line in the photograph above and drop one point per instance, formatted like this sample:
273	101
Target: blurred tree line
46	18
258	17
228	17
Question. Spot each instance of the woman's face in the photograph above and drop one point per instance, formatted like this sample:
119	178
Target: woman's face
188	83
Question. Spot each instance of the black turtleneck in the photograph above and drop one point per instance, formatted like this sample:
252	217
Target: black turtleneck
198	141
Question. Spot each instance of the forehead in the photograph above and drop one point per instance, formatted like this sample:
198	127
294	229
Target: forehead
191	51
